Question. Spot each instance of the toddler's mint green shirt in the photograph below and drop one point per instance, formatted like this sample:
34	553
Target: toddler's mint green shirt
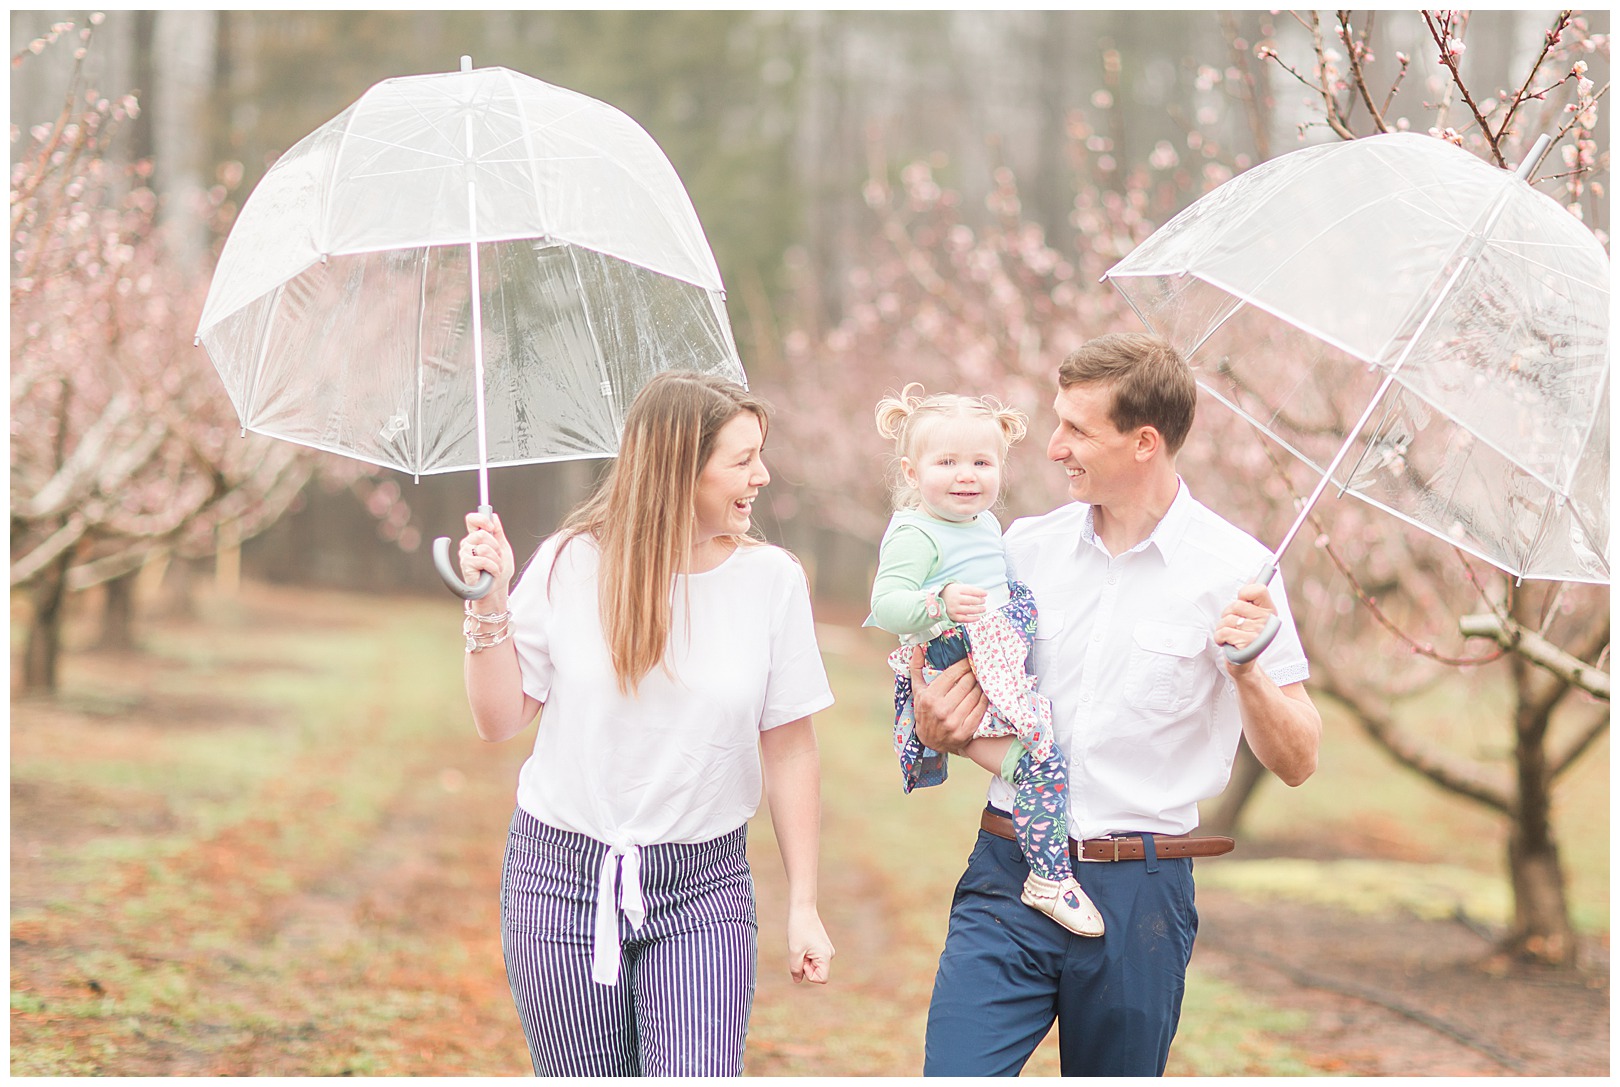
920	552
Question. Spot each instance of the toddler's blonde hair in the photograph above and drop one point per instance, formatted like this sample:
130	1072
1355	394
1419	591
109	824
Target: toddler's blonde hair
910	416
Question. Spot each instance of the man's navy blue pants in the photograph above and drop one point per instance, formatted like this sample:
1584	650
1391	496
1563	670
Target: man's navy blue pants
1008	971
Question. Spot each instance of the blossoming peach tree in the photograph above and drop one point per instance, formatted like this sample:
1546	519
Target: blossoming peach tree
123	443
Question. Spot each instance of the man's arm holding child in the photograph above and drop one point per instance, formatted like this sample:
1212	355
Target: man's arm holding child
949	710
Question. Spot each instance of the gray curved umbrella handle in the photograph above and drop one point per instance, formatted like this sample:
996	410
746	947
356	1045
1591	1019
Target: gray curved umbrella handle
1267	632
452	579
1256	647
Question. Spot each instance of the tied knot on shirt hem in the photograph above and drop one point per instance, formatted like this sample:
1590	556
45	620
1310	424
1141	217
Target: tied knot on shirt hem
618	881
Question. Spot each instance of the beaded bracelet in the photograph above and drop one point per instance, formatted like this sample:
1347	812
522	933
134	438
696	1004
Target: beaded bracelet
491	619
485	631
486	640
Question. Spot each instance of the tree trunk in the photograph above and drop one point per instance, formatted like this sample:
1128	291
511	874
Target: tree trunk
181	108
179	590
1225	810
1541	927
44	647
228	562
118	613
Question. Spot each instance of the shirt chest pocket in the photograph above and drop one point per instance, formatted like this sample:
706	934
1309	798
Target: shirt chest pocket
1048	626
1166	661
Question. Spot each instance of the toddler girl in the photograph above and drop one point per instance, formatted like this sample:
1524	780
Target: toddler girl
942	583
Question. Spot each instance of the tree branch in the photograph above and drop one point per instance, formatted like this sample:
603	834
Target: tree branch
1460	776
1256	104
1533	647
1443	40
1400	77
1335	120
51	548
1358	78
77	477
1560	761
1547	44
1573	121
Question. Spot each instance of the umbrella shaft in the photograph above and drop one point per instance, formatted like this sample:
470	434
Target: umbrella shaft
475	301
1333	465
478	349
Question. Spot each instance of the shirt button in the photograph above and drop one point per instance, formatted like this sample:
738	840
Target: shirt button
1113	579
1085	696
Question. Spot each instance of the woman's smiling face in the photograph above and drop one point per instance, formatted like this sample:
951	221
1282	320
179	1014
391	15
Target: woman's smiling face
729	482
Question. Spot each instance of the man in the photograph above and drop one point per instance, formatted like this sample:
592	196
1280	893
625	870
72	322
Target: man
1130	581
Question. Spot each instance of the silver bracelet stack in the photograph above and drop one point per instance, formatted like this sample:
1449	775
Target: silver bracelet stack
485	631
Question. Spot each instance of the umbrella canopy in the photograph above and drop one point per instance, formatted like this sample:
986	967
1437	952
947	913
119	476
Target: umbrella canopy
449	224
1461	314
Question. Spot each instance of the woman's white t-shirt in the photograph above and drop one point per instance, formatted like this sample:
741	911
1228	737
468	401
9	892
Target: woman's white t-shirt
678	759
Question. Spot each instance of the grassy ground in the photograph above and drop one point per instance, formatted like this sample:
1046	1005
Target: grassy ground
1455	851
205	856
270	846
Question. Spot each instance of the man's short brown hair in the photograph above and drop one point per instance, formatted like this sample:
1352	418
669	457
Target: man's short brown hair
1152	384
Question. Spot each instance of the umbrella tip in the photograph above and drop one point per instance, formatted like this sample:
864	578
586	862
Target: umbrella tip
466	63
1538	152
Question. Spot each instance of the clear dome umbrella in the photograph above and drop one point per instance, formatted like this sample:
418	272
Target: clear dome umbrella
463	270
1426	331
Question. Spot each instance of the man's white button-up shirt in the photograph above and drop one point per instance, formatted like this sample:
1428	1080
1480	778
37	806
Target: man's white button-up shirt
1125	648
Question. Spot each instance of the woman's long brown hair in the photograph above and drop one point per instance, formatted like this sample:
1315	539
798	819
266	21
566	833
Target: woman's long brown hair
643	515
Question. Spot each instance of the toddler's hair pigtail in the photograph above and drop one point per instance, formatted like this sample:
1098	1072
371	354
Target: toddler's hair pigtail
1014	424
893	411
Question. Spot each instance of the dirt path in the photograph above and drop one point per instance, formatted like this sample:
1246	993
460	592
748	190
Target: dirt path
1399	996
251	949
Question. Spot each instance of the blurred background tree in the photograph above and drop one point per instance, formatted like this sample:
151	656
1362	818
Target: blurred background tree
119	447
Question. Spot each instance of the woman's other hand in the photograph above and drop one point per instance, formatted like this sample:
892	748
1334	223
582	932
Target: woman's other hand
810	951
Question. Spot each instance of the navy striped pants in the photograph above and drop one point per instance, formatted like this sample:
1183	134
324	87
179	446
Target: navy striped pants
686	977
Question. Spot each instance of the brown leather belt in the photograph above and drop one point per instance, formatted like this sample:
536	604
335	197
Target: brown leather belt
1127	848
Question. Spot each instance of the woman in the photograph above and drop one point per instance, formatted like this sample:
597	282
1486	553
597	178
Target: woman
667	656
